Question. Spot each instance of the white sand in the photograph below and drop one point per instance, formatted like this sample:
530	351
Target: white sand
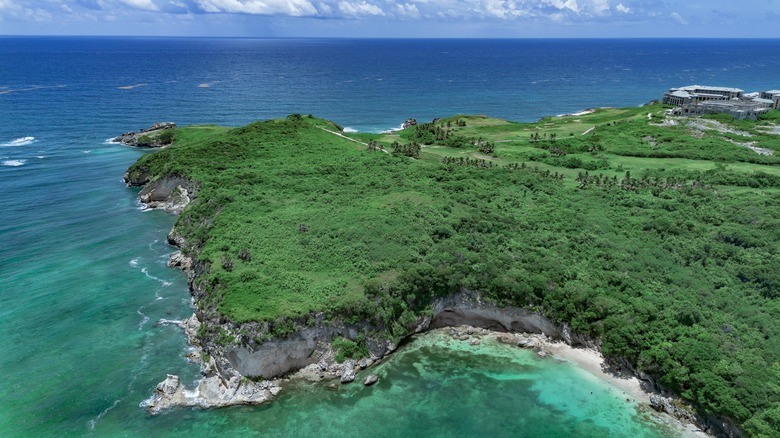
591	361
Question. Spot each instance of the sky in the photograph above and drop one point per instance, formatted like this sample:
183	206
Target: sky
397	19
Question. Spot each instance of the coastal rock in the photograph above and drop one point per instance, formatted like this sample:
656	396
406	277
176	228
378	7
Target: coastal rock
171	194
475	342
212	391
348	373
371	379
365	363
149	137
170	385
179	260
409	122
528	342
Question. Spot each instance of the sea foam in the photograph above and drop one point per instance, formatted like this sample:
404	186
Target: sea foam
14	163
21	141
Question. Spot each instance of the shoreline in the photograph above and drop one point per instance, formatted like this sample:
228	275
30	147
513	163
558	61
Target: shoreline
591	361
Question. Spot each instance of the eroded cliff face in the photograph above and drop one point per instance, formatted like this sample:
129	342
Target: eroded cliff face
169	193
469	308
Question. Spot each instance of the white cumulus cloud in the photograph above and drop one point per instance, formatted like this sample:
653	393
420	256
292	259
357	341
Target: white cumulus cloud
568	4
408	9
357	9
621	8
144	5
295	8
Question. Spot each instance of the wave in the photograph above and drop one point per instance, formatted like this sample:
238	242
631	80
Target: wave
349	130
390	131
144	318
134	262
21	141
14	163
163	282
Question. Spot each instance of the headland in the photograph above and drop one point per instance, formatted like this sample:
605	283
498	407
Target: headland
608	229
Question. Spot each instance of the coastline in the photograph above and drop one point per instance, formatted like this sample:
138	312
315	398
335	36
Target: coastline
592	362
226	364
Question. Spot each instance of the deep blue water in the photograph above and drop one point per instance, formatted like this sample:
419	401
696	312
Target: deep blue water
82	270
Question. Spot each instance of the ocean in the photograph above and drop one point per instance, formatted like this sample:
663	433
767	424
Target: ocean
83	279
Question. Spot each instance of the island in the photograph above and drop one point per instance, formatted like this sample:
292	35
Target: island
649	236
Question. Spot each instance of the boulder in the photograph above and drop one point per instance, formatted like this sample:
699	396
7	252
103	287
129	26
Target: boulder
348	373
475	342
170	385
371	379
409	122
524	342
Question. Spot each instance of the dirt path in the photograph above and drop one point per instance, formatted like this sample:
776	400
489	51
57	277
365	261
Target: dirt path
348	138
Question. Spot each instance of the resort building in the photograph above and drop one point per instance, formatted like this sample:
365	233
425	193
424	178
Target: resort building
699	100
698	93
774	96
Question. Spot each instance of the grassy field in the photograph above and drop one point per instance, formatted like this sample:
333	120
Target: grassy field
667	253
605	141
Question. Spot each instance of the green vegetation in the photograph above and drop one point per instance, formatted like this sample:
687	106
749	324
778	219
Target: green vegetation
157	138
668	253
347	349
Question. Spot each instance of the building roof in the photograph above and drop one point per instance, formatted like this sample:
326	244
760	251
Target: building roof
759	100
694	88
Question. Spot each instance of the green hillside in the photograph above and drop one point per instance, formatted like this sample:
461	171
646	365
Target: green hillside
662	241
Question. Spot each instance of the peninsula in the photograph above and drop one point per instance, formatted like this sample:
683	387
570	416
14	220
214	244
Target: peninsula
648	236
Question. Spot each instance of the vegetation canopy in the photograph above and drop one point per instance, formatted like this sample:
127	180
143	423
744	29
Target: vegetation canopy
659	239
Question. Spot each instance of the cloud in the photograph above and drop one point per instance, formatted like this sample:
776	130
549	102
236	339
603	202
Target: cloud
143	5
408	10
678	18
295	8
623	9
356	9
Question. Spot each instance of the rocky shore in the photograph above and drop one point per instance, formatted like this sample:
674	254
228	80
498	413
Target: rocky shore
245	372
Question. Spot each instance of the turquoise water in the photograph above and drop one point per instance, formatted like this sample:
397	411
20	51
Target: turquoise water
434	386
82	269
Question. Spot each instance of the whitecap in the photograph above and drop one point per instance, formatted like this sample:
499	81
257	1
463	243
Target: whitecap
140	206
163	282
144	319
390	131
22	141
134	262
41	157
14	163
111	141
349	130
166	322
86	152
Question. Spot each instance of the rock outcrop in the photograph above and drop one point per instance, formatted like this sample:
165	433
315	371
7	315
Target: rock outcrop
171	193
348	375
151	137
409	122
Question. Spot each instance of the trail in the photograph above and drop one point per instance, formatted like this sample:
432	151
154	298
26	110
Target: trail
348	138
